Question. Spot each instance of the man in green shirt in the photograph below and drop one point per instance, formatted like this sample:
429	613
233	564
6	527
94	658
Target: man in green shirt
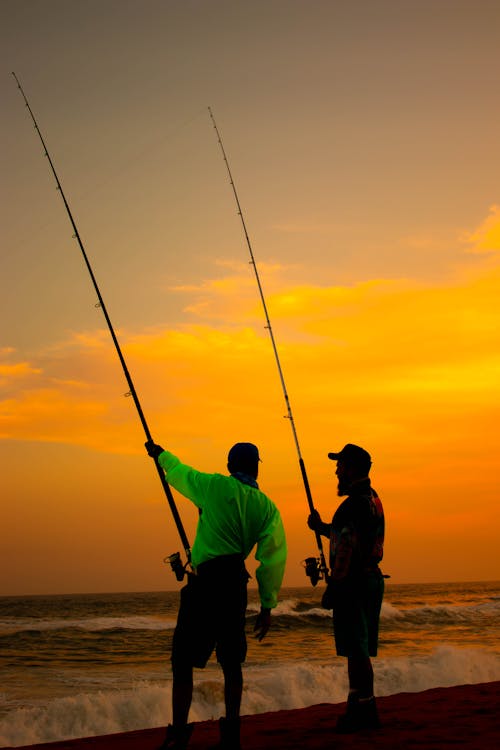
235	516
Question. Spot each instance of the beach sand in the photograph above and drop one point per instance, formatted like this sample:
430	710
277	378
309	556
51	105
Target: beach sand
466	716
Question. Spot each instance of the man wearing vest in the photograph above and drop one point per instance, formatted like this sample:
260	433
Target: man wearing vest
356	586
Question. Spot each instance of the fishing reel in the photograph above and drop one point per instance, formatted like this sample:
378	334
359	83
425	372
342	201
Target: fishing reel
175	562
312	566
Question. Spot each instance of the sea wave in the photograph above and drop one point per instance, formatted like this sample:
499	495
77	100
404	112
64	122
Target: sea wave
441	613
93	624
290	608
267	688
419	615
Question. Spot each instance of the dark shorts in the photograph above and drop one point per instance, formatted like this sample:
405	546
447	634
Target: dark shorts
356	614
212	614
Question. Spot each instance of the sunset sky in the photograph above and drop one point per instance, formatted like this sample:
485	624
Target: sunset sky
363	139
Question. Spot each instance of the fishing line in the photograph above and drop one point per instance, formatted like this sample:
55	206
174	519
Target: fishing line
174	560
315	569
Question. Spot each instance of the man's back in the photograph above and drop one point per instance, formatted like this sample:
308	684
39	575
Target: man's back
234	517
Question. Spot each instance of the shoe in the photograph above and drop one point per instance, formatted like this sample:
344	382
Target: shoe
229	735
177	738
360	714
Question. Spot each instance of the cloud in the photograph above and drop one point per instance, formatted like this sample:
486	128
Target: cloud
52	415
12	372
233	298
389	360
408	369
486	238
16	370
40	403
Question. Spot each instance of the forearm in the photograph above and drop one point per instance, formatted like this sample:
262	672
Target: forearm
325	529
317	525
271	553
269	582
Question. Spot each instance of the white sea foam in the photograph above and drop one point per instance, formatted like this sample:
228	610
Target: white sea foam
85	715
292	608
423	614
284	686
93	624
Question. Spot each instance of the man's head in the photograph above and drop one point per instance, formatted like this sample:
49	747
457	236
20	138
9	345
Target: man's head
353	463
244	458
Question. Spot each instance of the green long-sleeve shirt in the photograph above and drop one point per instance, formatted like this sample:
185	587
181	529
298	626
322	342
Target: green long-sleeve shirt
234	518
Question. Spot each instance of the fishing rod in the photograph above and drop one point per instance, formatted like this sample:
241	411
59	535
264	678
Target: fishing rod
315	568
174	560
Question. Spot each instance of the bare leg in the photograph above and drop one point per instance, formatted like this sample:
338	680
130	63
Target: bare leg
233	689
360	672
182	694
361	710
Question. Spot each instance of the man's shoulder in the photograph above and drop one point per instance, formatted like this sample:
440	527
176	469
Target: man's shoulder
354	506
244	488
343	510
365	506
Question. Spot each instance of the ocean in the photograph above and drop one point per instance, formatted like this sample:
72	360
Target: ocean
83	665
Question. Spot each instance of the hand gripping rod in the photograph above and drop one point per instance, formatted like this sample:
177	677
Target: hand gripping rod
322	563
132	392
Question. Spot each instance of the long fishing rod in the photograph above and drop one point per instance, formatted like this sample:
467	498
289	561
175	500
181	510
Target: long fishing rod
315	568
174	560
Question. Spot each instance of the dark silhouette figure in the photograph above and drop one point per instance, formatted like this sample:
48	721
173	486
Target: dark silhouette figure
235	516
356	586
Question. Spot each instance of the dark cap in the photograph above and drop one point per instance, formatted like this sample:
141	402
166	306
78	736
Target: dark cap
243	454
352	454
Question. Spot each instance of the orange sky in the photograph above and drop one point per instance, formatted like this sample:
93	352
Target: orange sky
379	257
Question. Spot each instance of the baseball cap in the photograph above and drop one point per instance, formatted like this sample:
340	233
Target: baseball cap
243	454
351	454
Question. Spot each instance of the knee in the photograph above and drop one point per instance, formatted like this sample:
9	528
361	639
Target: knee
232	670
182	671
